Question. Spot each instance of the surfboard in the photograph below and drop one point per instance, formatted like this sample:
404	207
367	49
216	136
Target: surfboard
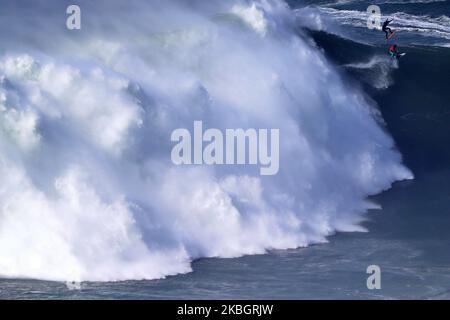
391	35
399	55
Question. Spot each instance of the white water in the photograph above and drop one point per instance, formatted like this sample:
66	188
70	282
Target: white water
88	191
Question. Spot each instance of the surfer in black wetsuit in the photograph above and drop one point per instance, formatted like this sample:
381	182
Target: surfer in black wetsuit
386	29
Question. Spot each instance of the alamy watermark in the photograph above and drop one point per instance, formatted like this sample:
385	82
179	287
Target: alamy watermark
374	19
374	280
232	147
73	21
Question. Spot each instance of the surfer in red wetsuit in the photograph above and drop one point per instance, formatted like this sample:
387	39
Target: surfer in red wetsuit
393	51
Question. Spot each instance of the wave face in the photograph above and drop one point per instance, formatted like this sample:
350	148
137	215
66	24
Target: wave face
88	190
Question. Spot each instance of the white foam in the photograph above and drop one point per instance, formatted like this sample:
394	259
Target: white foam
253	16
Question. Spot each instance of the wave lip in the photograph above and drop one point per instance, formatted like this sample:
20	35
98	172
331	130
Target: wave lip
95	197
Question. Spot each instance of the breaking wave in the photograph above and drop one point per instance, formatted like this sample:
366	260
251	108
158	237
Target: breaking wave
88	190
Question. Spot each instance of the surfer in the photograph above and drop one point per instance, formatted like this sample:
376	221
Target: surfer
386	29
394	53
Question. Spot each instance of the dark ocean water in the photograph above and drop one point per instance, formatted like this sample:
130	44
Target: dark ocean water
409	238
